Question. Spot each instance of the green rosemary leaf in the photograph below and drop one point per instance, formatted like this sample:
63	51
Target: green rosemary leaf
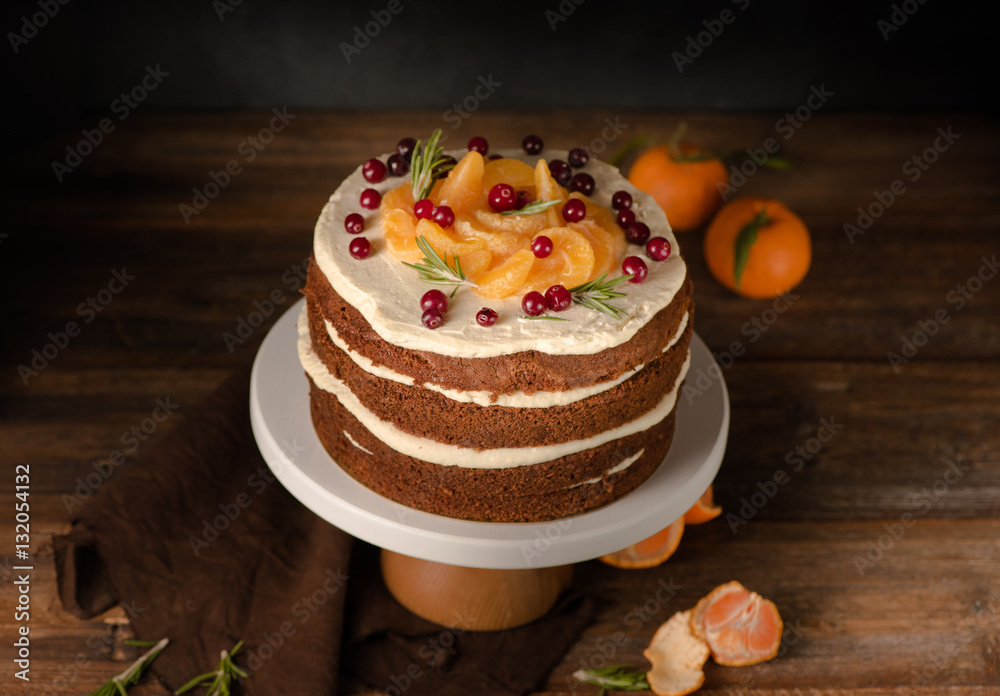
426	165
120	683
745	241
218	682
436	270
533	208
543	317
597	293
616	677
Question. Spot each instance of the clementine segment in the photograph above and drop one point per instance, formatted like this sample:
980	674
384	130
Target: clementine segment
511	171
570	263
445	242
758	248
463	188
739	626
506	278
685	183
400	232
649	552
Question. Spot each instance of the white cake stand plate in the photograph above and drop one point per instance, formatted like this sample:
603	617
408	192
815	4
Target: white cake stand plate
282	425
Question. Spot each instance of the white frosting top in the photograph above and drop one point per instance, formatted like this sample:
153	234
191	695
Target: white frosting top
387	293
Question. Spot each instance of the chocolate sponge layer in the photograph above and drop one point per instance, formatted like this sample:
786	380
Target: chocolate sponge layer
526	371
544	491
429	414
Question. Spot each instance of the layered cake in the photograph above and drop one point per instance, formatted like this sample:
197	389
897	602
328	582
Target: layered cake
495	338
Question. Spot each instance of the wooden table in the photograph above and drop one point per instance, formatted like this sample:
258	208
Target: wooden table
882	546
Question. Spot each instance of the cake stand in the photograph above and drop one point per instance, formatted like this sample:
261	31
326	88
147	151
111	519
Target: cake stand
478	575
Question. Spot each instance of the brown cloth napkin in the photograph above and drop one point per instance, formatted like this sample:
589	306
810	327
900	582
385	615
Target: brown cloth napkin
199	543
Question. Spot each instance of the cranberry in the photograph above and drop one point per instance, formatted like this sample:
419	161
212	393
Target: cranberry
503	197
373	170
354	223
574	210
360	248
434	299
625	218
560	172
637	232
557	298
423	209
479	144
582	182
541	246
495	157
578	157
532	144
621	200
405	147
432	318
523	199
635	267
370	199
658	249
533	304
398	165
486	317
444	216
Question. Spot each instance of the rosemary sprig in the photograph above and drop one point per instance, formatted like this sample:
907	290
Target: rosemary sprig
543	317
615	677
219	681
597	293
532	208
437	270
427	165
120	683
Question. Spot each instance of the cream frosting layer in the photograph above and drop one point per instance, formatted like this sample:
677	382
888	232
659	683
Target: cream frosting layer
517	399
466	457
618	468
387	293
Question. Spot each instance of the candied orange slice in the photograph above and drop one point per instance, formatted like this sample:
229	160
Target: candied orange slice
603	244
444	242
740	627
506	278
570	263
400	197
677	657
508	171
547	189
649	552
703	510
463	188
474	263
399	228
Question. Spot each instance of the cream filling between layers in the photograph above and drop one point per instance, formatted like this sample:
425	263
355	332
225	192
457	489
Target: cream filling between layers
517	399
621	466
386	292
466	457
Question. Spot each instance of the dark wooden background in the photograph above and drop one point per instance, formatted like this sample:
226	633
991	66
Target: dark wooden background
921	617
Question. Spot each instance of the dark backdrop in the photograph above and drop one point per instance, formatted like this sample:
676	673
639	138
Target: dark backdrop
552	54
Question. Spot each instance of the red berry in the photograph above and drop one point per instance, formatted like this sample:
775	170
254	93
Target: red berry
578	157
635	267
434	299
621	200
479	144
637	232
574	210
360	248
658	249
354	223
424	209
370	199
541	246
532	144
560	171
582	182
523	199
432	318
405	147
398	165
625	218
533	304
373	170
503	197
495	157
486	317
557	298
444	216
